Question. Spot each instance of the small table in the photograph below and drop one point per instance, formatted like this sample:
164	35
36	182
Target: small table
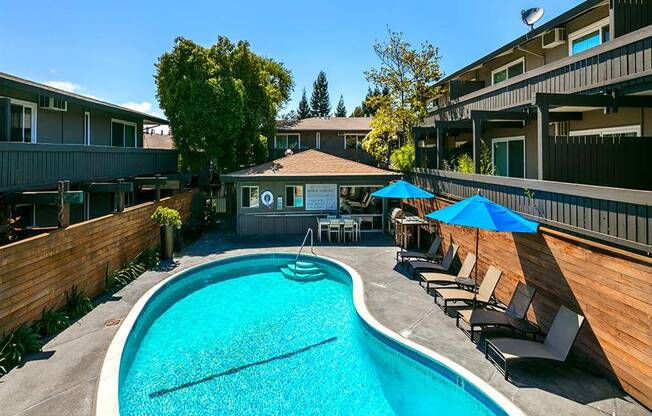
412	220
465	281
525	327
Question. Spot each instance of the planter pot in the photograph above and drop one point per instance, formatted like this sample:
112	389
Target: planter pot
167	242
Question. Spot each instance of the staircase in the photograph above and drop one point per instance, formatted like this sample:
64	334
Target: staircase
303	271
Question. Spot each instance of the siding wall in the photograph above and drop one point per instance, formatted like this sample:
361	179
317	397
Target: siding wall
611	288
36	273
626	60
66	127
332	142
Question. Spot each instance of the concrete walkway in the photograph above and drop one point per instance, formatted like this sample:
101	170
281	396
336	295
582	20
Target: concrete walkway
62	379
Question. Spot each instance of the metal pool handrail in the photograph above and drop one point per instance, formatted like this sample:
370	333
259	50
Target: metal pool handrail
312	248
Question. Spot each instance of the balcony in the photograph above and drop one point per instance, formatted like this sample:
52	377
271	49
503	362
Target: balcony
29	166
622	62
621	217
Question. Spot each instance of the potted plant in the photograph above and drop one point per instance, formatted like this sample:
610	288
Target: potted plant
169	220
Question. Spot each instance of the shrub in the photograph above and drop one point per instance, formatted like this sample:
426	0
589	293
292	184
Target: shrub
403	158
77	304
22	341
51	322
149	258
465	163
167	216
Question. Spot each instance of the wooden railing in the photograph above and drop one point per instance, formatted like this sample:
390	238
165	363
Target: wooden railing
593	160
621	60
27	165
617	216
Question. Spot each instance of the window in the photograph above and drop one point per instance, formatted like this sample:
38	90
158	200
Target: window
22	121
588	37
508	157
353	141
123	133
508	71
87	127
318	140
357	201
249	196
294	196
624	131
287	141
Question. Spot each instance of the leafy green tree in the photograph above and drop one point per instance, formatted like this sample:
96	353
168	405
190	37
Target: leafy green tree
403	158
340	111
220	101
320	102
304	107
368	107
409	76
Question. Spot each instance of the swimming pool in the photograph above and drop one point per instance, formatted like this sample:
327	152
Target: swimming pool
242	336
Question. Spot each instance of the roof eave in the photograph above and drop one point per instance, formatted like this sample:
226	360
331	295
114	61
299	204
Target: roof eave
562	18
15	82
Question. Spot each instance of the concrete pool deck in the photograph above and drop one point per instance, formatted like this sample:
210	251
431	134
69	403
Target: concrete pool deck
62	379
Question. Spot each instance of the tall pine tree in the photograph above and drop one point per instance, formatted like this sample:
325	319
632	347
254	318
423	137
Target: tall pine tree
340	111
304	107
320	102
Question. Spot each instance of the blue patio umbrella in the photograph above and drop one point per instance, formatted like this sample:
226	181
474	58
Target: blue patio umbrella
401	189
479	212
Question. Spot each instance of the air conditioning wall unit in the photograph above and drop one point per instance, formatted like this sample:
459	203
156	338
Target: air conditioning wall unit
51	103
553	38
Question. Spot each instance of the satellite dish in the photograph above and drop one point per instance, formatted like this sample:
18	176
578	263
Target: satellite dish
531	16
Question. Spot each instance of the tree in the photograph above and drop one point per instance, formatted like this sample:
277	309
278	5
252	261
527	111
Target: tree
304	107
368	107
409	76
340	111
403	158
320	102
357	112
220	101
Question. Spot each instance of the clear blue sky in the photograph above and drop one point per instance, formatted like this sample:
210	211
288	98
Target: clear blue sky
108	49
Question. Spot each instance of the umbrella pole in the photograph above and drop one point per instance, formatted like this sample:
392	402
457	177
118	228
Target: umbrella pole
477	257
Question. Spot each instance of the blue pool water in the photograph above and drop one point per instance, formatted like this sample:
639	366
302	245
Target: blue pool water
240	338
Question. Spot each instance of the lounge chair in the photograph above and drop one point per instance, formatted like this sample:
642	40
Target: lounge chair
431	254
447	279
484	295
417	266
555	347
515	312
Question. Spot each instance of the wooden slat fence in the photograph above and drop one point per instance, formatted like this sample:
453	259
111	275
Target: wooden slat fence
611	288
613	215
37	272
621	162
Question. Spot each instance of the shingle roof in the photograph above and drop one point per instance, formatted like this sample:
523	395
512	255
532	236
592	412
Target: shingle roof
158	141
310	163
327	123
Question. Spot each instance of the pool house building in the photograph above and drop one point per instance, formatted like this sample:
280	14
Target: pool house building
287	195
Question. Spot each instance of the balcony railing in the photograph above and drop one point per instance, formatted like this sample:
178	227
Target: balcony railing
27	165
625	59
618	216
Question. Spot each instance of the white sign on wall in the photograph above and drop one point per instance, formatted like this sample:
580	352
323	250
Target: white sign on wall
321	197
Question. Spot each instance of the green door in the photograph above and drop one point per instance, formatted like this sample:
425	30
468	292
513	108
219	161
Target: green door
515	155
508	158
500	158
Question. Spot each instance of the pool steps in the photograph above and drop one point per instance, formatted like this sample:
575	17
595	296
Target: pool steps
303	271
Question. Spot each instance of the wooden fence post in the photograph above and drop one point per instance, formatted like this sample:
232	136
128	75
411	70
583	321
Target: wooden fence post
121	196
158	188
64	208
